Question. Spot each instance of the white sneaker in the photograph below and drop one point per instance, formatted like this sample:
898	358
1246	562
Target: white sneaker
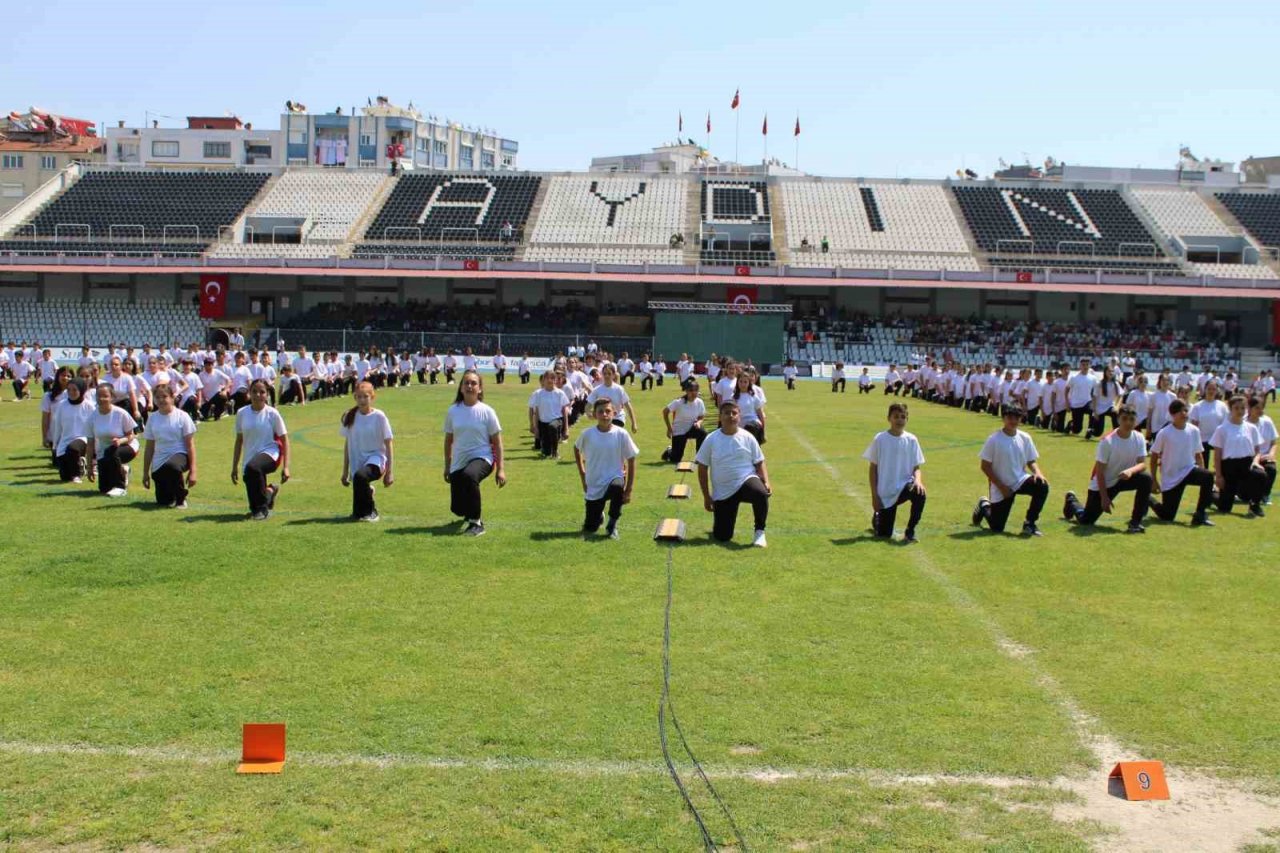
759	540
117	492
76	480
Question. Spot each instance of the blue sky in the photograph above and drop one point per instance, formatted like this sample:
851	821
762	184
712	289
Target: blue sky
882	89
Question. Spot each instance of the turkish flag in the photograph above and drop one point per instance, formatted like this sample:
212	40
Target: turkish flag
471	264
1023	278
213	296
743	299
742	269
734	105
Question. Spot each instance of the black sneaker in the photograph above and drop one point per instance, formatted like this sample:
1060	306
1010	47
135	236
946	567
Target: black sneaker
1066	506
272	491
980	512
1029	529
260	515
475	528
1256	511
1135	527
1201	521
910	535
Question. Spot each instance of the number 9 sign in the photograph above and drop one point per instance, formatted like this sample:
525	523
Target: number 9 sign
1143	780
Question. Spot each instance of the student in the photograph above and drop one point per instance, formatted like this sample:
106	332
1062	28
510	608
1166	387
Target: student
241	376
450	367
1140	400
1106	396
72	428
367	452
1009	461
213	390
838	379
751	401
609	390
1079	390
123	391
659	370
48	370
114	445
1267	432
1158	406
626	369
261	435
291	388
1033	393
1177	459
1237	466
548	416
170	434
727	380
683	417
48	404
1120	466
608	471
468	359
500	366
523	368
472	450
895	458
404	368
789	372
645	369
731	471
20	371
433	365
1208	414
685	368
865	385
892	381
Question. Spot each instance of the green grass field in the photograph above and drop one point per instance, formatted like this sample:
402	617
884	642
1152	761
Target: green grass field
502	692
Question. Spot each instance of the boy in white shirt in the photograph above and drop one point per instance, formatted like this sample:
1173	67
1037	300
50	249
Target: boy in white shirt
1177	458
1120	466
548	416
895	458
1009	462
1237	466
606	459
731	471
1267	432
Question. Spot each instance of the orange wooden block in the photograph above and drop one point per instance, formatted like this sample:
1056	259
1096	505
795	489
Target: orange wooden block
263	748
685	467
1143	780
680	491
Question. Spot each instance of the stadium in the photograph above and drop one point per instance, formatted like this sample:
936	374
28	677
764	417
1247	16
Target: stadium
946	687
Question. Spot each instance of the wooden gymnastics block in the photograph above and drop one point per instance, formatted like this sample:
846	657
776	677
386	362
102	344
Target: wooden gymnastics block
670	530
262	750
680	491
1143	780
685	467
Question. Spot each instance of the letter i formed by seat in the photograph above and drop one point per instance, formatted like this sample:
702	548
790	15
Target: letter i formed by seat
263	748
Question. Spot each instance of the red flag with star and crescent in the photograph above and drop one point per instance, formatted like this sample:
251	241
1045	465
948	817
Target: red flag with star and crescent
734	105
213	296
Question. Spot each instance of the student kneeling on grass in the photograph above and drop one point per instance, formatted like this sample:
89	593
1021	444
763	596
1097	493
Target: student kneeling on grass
1009	463
737	474
367	452
895	458
1178	460
1120	466
1237	465
606	458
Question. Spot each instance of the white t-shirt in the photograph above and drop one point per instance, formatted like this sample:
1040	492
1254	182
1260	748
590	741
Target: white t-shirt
472	428
1009	456
723	389
549	404
615	395
115	424
522	367
732	460
240	378
71	421
20	370
684	369
169	432
1080	390
790	371
1237	441
469	362
685	414
896	457
366	441
259	430
1177	449
1141	402
749	406
213	381
499	362
1159	406
1116	454
606	456
625	366
1267	432
1034	389
304	366
1208	414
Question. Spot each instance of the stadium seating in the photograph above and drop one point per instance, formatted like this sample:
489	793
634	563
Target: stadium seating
1180	213
883	261
100	248
454	208
317	251
332	200
737	258
67	323
1160	266
605	210
192	206
1259	213
636	255
1043	220
433	250
735	202
1254	271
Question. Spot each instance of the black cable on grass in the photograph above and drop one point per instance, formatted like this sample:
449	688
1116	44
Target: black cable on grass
665	704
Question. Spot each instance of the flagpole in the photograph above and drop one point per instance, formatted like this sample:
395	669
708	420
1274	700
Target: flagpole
737	126
766	138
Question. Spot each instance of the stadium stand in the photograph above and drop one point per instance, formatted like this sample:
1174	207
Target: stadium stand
1250	271
456	251
1042	220
726	202
268	251
1180	213
454	210
98	322
97	248
331	200
873	226
736	203
609	219
1161	266
1259	213
189	206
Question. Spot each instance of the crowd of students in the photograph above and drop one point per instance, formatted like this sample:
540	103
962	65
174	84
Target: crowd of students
1153	442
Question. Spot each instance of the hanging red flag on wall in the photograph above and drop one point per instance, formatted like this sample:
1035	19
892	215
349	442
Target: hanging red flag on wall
213	296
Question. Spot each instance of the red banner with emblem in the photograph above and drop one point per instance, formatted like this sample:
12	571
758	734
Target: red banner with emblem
471	265
743	299
213	296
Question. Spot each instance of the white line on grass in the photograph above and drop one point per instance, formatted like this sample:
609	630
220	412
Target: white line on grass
1206	813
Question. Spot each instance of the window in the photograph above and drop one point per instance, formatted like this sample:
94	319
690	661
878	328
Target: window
506	161
11	191
366	139
164	149
439	146
297	137
48	162
486	160
217	149
11	161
